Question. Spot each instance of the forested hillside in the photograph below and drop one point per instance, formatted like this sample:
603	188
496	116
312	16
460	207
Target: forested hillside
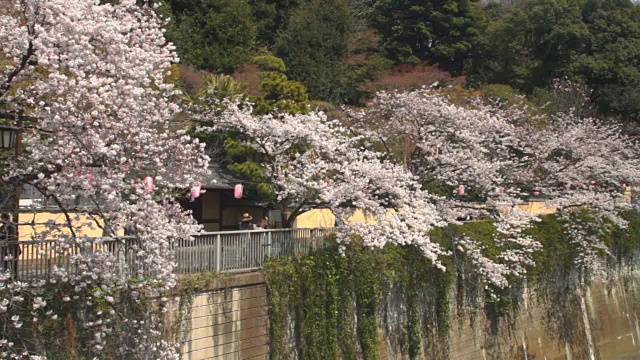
342	51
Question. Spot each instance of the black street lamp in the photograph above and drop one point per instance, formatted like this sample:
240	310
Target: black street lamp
7	137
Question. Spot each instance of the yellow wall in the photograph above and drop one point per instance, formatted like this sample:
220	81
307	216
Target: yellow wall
537	208
325	218
40	218
315	218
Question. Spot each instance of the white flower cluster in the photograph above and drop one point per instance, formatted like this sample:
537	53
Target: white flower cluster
505	156
501	157
86	83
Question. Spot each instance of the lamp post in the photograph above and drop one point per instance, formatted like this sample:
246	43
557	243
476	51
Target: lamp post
11	138
7	137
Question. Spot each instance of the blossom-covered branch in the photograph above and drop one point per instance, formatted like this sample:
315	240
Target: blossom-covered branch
85	83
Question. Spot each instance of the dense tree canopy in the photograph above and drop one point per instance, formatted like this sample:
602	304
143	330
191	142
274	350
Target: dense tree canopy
215	35
505	156
314	45
271	16
439	31
596	42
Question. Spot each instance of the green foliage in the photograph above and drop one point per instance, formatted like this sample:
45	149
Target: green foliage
336	297
333	297
595	42
223	87
269	63
506	96
314	45
214	35
443	32
277	87
245	161
281	95
272	16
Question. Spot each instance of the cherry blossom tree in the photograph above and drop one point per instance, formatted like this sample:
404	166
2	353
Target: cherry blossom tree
315	162
507	157
86	84
478	159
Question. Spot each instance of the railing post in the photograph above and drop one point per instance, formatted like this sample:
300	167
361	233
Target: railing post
218	252
268	244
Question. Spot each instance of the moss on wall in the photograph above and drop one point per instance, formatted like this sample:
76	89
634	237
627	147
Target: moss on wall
333	302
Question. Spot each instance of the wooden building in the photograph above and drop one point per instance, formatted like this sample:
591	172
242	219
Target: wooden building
218	210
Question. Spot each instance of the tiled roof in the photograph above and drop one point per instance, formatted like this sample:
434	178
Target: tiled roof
219	178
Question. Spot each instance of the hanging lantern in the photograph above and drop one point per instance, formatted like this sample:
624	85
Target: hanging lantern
624	186
237	192
461	190
196	189
90	180
536	193
148	184
537	188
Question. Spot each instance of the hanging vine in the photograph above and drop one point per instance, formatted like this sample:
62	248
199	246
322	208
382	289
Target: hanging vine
335	302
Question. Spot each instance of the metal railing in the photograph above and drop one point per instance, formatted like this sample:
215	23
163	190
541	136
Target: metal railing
225	251
233	251
32	260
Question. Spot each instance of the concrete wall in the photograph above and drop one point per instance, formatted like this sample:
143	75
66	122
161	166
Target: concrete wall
229	321
604	326
39	219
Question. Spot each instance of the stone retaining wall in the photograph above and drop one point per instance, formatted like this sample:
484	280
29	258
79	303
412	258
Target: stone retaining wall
229	321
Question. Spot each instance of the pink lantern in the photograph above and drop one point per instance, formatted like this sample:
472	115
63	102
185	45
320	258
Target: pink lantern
237	192
148	184
624	186
593	182
537	188
90	180
536	193
196	190
461	190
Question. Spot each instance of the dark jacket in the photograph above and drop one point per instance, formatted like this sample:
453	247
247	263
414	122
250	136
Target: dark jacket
8	234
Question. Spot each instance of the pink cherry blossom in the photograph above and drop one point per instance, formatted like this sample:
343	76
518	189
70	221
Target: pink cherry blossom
86	83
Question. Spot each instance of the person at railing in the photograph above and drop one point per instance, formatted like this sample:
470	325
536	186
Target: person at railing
245	222
264	224
10	248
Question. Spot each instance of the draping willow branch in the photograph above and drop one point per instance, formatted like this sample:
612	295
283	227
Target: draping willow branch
87	81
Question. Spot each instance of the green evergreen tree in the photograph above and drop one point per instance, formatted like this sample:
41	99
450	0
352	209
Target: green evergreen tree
440	31
314	45
532	45
280	95
271	16
595	42
214	35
